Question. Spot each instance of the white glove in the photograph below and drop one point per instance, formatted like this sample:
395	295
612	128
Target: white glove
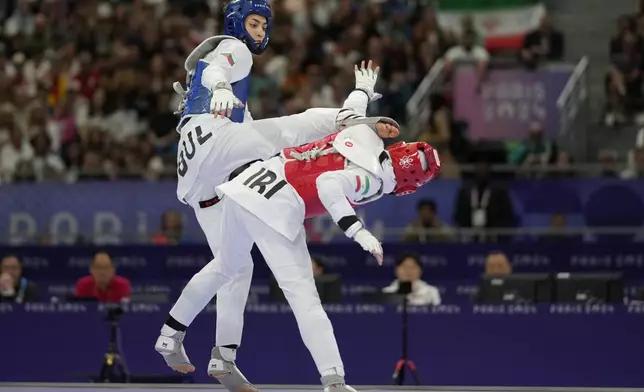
178	88
369	243
223	101
366	79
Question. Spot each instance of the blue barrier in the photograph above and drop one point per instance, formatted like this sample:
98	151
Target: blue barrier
558	345
440	261
130	212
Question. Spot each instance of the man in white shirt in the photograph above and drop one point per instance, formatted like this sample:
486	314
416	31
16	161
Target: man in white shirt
409	269
468	52
18	149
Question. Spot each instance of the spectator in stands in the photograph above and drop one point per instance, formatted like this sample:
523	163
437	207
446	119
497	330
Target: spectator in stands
103	283
439	130
639	27
558	226
483	204
162	126
536	150
468	52
608	161
467	24
24	172
635	168
563	165
14	287
46	164
545	43
497	264
427	220
17	150
624	80
625	24
113	76
640	9
409	269
171	229
437	40
21	22
6	114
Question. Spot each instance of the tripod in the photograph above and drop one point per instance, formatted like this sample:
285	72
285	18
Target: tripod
404	289
113	368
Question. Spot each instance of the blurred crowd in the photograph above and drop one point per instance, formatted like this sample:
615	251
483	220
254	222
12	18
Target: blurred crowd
86	94
624	77
623	86
85	91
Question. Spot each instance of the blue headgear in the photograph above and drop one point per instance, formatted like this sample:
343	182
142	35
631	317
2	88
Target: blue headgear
236	13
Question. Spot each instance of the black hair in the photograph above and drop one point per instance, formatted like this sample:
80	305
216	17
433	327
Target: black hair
109	256
11	256
409	255
469	33
426	203
165	216
497	252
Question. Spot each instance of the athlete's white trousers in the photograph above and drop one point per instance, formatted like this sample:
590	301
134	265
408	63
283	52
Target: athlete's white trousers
290	263
231	297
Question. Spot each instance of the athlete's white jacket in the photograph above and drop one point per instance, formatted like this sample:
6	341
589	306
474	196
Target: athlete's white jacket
211	148
350	168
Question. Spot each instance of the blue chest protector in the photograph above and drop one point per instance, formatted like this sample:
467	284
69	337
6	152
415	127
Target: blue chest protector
199	96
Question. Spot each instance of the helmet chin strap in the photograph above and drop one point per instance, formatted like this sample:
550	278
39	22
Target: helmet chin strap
423	160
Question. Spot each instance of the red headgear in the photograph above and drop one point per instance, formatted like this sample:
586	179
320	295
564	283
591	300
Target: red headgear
408	167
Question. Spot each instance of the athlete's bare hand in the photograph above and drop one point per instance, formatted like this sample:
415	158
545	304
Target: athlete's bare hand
387	131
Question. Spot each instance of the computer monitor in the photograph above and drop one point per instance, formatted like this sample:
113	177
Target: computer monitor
329	288
589	287
150	298
74	299
395	298
383	298
515	288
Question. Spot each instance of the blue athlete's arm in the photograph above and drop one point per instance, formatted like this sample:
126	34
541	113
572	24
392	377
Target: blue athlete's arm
230	62
307	127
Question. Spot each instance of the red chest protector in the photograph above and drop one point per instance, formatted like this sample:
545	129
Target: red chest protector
304	164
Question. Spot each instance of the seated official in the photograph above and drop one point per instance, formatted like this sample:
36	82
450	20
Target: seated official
14	287
409	269
103	283
497	264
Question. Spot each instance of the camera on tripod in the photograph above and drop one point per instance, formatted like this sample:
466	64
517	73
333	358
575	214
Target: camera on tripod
113	368
399	298
114	314
404	289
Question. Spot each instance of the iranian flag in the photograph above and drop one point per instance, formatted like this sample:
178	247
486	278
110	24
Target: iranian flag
503	23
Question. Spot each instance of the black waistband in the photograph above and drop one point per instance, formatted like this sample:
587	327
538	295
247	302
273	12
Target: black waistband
240	169
209	202
235	173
